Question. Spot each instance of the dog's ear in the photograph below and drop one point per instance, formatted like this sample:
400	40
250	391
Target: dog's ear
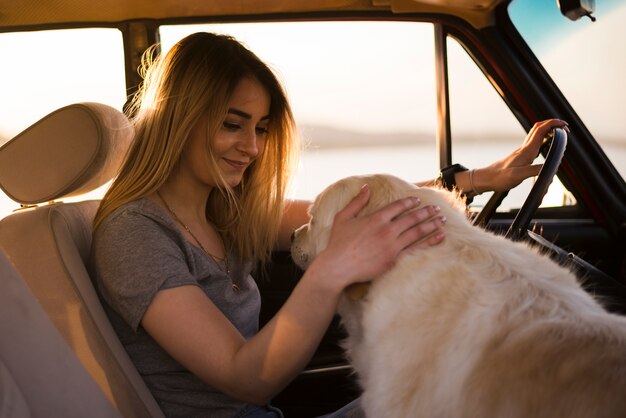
385	189
333	199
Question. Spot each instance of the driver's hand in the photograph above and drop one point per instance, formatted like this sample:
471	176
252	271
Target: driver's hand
510	171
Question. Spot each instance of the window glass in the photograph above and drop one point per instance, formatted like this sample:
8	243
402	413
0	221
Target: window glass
484	129
587	60
363	94
43	71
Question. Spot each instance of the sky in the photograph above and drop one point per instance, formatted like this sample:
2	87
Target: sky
52	69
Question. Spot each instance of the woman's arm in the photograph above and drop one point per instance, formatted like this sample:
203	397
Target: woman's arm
186	324
191	329
511	170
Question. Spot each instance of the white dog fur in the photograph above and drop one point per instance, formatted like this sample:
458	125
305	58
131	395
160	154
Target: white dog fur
478	326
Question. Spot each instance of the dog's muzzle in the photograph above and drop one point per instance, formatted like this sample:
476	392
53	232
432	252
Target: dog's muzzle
299	256
297	253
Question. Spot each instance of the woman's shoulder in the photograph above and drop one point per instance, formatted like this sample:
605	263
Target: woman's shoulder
142	212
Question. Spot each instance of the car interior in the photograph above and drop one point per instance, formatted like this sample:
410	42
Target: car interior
59	355
49	244
39	373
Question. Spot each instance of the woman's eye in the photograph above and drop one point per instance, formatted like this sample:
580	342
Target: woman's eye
231	126
261	130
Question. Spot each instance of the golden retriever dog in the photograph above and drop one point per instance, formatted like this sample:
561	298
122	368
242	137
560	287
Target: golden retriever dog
477	326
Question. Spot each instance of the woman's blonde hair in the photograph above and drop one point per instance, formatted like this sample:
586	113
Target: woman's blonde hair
196	78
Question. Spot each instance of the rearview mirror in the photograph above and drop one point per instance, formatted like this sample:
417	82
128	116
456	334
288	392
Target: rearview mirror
575	9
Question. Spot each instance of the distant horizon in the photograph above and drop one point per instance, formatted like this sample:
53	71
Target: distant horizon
339	137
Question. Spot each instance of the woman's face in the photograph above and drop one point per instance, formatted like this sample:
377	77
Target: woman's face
240	139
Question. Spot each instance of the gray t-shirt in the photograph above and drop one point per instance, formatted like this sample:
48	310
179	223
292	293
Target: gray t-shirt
139	250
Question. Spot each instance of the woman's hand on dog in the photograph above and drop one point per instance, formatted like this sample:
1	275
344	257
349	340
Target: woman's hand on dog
364	247
510	171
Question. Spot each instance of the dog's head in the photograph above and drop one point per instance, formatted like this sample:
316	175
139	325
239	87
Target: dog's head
312	238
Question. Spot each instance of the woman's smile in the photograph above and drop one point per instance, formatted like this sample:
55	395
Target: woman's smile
237	165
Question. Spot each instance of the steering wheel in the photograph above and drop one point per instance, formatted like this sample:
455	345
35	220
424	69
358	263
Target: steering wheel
596	281
556	141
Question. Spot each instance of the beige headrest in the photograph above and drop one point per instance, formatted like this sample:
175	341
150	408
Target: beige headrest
71	151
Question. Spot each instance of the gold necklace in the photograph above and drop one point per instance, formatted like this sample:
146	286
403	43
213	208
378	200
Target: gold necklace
217	260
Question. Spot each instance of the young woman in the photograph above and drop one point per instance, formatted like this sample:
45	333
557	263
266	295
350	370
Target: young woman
200	200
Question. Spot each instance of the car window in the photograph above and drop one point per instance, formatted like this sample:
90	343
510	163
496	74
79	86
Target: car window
43	71
587	61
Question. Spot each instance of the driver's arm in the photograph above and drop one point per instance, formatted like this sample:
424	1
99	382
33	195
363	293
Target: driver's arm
511	170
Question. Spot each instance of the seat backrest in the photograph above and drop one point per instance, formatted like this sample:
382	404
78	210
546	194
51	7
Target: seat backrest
39	375
73	150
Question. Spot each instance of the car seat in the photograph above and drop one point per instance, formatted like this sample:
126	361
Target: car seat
39	374
71	151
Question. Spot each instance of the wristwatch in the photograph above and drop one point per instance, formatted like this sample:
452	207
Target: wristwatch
447	175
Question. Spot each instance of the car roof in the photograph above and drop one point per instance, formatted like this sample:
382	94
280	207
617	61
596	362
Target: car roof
37	14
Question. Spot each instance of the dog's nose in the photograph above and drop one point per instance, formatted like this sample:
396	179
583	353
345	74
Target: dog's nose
295	232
